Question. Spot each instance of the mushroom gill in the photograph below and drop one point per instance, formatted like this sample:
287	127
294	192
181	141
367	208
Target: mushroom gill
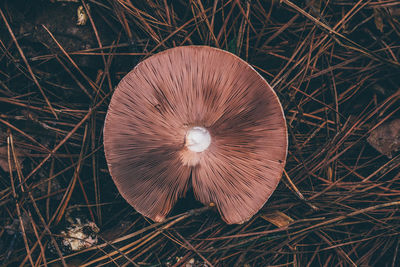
201	112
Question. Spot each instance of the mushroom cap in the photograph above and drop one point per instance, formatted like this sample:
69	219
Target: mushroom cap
168	94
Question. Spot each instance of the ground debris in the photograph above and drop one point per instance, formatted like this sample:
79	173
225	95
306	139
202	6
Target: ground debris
277	218
80	235
20	153
386	138
77	234
15	226
82	17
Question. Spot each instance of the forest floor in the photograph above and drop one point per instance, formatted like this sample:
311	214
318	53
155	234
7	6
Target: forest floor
334	66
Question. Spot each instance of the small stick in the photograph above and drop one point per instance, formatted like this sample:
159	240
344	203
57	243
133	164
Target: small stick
298	193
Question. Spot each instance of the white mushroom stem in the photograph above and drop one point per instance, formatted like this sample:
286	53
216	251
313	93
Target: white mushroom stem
198	139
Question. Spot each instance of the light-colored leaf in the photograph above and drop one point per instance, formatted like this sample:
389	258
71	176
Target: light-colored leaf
277	218
378	19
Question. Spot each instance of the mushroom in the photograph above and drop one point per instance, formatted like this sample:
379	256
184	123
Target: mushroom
201	117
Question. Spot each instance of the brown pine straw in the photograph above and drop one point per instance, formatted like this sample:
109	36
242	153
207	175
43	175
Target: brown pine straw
334	65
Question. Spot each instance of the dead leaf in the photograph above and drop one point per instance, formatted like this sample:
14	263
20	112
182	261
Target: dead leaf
330	173
277	218
394	11
82	16
386	138
20	153
378	19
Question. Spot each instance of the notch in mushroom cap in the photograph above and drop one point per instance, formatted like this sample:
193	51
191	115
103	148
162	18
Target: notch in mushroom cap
197	115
